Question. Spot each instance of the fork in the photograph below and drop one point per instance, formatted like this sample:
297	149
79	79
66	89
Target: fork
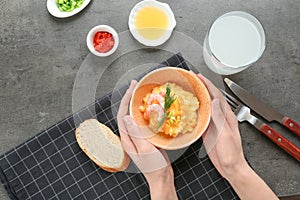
243	113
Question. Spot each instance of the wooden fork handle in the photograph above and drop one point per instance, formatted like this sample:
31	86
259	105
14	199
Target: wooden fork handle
281	141
291	125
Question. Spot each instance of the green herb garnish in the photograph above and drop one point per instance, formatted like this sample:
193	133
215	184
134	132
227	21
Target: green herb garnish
169	99
160	123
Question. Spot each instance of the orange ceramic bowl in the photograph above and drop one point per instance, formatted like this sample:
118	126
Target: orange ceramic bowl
189	82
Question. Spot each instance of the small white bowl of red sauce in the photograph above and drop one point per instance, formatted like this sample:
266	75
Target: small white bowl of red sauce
102	40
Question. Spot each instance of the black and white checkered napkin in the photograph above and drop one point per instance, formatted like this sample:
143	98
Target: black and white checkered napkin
51	165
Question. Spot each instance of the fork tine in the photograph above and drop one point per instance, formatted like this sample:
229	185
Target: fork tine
232	104
231	98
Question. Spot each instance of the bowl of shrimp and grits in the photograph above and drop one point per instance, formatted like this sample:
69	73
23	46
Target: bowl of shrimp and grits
172	107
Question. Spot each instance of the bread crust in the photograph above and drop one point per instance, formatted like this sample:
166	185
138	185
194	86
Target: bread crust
126	159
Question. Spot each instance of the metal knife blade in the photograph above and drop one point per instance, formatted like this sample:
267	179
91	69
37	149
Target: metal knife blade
243	113
261	108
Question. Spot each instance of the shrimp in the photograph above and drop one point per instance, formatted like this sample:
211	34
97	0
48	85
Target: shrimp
156	99
152	110
163	93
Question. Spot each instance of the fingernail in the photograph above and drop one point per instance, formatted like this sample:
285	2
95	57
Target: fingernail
132	82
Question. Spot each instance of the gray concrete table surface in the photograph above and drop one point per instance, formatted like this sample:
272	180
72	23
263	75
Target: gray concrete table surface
40	56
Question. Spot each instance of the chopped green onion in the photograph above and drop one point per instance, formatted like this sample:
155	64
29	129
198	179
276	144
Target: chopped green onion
169	99
68	5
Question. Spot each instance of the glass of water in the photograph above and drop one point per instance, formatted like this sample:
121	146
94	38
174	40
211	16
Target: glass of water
234	42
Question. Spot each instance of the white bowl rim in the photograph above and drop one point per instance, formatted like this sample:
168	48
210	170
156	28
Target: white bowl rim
90	38
164	7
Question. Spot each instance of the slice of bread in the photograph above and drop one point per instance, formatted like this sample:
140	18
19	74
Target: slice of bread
102	146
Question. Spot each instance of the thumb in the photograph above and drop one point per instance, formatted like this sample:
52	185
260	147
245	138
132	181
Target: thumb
218	116
132	128
135	130
210	139
137	136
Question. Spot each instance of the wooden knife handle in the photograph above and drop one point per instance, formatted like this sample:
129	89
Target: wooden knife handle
292	125
281	141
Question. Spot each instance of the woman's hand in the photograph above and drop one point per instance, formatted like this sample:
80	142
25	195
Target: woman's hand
153	163
222	139
223	144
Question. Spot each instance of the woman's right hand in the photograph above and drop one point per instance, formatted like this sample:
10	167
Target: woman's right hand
154	163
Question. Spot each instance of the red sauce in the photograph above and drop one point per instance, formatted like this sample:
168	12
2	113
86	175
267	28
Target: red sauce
103	41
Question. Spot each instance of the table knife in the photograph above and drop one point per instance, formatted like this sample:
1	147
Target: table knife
261	108
243	113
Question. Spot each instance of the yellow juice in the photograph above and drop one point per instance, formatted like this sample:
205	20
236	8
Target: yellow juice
151	22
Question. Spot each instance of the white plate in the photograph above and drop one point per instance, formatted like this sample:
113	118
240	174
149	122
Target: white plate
164	7
53	9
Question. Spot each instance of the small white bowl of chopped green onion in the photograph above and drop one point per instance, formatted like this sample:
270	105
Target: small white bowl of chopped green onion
66	8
